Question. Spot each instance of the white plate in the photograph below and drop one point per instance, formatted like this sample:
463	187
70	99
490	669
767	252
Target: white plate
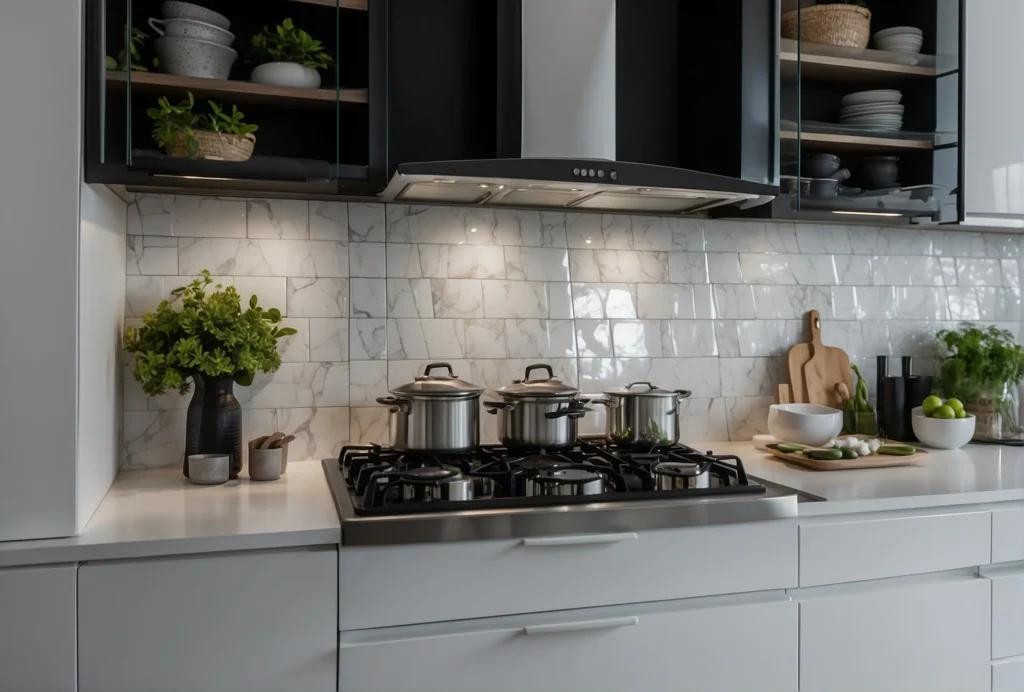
899	46
906	51
872	119
897	30
883	108
864	98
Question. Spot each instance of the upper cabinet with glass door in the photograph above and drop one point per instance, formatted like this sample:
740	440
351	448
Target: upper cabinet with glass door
250	95
870	109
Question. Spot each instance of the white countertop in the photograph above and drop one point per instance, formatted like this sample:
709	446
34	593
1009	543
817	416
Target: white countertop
971	475
153	513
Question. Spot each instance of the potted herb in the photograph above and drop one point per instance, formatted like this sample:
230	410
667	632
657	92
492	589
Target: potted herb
982	366
132	57
219	135
288	57
213	341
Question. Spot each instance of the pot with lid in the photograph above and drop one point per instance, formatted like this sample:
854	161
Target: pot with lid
436	413
538	413
642	415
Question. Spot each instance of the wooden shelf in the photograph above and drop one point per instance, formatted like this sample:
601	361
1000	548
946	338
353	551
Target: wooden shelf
862	66
243	92
344	4
838	142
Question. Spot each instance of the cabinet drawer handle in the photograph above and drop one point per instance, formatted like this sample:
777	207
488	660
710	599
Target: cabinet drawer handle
610	623
586	539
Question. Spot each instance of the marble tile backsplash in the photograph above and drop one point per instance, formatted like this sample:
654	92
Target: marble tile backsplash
376	292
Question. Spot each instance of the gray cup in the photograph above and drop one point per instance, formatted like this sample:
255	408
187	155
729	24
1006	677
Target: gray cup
209	469
265	464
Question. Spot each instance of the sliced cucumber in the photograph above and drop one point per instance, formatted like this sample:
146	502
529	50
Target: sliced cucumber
849	453
790	448
897	450
824	454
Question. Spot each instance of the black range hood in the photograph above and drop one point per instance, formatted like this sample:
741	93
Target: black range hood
590	124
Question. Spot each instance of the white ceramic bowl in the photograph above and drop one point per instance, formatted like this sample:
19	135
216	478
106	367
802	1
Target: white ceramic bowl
174	9
190	57
942	433
804	424
899	31
191	28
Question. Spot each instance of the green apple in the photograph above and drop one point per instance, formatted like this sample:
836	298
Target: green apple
930	405
944	412
956	405
961	414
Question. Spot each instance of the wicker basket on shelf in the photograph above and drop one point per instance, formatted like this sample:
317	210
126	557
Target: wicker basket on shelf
833	25
216	146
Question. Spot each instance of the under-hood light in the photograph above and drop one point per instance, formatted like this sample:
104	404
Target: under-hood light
189	177
868	213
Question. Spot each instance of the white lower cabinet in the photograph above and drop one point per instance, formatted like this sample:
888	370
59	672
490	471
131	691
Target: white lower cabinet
933	635
37	629
264	620
654	647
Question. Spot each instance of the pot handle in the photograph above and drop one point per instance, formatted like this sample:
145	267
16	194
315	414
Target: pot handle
495	406
607	403
683	394
570	412
394	404
448	366
649	385
153	21
538	366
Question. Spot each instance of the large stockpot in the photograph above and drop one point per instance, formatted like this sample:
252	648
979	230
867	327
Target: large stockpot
537	414
642	415
436	414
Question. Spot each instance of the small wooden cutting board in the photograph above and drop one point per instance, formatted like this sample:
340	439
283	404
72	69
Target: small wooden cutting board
874	461
815	369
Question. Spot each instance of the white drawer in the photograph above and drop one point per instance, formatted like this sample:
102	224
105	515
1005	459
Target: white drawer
403	584
1008	534
1008	675
834	552
1007	611
648	647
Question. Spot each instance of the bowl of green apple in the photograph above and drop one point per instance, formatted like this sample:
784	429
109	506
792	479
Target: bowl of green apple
942	424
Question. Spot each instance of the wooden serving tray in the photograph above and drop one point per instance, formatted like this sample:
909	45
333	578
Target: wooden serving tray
875	461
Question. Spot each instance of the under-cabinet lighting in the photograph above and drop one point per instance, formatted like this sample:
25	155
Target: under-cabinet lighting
189	177
868	213
448	182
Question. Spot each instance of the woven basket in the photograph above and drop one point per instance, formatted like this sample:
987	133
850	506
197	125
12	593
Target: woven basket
216	146
832	25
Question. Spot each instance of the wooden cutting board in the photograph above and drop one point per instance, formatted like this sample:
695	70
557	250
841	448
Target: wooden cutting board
875	461
815	369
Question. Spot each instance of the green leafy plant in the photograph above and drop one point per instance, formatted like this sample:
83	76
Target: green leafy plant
976	361
227	123
207	334
288	43
179	123
132	57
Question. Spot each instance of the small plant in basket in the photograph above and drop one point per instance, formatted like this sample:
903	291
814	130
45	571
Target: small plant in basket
180	131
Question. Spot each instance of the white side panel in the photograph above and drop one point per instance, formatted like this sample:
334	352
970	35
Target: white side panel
101	301
40	151
929	636
234	622
1008	675
845	550
569	78
727	649
503	577
993	139
37	629
1007	534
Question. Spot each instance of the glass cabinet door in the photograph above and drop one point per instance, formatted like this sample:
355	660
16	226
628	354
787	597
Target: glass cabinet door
233	90
871	130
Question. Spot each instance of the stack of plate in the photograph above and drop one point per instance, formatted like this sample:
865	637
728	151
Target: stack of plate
900	39
878	109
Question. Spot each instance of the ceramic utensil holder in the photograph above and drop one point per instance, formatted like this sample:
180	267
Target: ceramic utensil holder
209	469
265	464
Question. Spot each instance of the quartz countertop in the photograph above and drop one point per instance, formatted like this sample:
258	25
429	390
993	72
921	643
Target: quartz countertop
158	512
974	474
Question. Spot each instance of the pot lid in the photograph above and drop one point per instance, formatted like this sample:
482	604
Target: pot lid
647	389
446	384
550	386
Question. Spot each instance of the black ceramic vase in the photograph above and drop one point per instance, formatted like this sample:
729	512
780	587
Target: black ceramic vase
214	421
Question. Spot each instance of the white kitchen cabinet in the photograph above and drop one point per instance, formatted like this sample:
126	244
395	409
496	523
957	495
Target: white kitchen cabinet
264	620
993	139
37	629
932	634
654	647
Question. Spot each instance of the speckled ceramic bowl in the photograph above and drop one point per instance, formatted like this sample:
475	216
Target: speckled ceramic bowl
190	57
190	28
173	9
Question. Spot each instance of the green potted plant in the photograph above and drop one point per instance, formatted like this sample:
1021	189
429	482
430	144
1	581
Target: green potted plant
288	57
211	340
982	366
131	58
219	135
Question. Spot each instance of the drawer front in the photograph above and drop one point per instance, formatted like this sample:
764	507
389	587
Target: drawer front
1007	615
846	551
746	647
1007	535
1008	675
406	584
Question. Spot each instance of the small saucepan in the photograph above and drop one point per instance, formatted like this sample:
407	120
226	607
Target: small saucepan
642	415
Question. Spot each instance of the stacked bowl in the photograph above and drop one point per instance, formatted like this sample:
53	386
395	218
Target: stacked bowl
900	39
194	41
878	109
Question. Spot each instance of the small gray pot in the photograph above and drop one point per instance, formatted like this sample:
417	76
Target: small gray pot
209	469
265	464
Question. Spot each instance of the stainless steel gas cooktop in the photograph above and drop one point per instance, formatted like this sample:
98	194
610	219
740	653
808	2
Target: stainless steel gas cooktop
387	497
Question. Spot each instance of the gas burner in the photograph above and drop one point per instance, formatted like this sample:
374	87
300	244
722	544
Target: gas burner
680	475
425	474
419	485
564	481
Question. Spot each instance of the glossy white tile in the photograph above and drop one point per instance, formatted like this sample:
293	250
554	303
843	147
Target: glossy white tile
599	231
750	236
367	260
420	339
319	432
329	221
369	298
328	339
823	239
151	259
277	218
685	234
208	217
476	262
407	298
317	297
536	263
512	299
619	266
369	380
366	222
367	339
978	272
295	348
747	416
458	297
486	338
369	426
270	291
601	301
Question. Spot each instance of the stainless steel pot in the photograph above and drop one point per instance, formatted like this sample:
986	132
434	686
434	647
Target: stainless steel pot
681	475
643	418
538	414
436	414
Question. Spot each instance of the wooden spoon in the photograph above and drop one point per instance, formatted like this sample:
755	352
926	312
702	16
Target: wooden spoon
281	441
268	443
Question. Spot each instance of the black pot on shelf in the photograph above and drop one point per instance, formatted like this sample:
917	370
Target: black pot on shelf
214	421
